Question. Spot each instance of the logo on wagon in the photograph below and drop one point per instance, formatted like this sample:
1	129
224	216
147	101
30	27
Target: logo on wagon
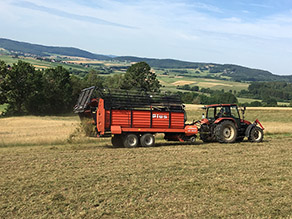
157	116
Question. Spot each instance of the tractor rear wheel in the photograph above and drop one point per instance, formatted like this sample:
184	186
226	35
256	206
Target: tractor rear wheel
147	140
131	141
256	135
226	132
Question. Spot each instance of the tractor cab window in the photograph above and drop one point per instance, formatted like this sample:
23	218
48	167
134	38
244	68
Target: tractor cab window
211	113
223	112
234	112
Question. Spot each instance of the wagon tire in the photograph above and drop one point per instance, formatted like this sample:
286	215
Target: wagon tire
117	141
131	141
256	135
226	132
147	140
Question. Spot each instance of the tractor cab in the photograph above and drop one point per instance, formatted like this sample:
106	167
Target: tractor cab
221	111
224	123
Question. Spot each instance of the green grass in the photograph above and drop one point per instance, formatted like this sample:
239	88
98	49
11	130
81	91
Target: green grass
169	181
91	179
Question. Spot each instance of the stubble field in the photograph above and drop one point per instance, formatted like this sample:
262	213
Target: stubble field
48	169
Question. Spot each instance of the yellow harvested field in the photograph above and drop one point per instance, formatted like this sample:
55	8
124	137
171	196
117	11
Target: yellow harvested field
40	66
277	127
183	82
85	61
271	108
36	130
212	84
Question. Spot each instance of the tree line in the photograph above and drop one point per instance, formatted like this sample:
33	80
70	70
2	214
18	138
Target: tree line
269	92
27	90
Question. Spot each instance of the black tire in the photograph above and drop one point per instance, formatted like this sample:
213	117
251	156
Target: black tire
193	139
131	141
256	135
147	140
205	137
226	132
117	141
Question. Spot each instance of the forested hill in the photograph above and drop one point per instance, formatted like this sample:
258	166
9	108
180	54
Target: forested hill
221	71
163	63
40	50
235	72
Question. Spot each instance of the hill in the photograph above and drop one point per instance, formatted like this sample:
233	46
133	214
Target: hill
233	72
164	66
40	50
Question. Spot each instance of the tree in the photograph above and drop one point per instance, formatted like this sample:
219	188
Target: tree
17	85
57	90
93	79
114	81
270	101
3	88
139	76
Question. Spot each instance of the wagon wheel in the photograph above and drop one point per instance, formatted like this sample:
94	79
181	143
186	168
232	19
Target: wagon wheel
147	140
131	141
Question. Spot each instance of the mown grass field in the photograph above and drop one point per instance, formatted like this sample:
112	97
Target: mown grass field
48	169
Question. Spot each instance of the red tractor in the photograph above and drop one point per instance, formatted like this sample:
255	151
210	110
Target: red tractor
224	124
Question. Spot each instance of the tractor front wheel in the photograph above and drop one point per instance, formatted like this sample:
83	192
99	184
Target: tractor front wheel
256	135
226	132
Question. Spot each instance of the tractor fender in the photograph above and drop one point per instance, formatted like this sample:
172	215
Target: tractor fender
224	119
248	129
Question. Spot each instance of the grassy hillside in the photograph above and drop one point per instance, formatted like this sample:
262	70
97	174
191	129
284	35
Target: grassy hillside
182	68
40	50
170	81
174	180
233	72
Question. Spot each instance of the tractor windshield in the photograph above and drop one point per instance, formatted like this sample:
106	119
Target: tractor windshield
222	111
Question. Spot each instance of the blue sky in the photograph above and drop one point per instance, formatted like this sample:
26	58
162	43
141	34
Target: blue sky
255	34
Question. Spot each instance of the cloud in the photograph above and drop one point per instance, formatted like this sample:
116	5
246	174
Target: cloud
64	14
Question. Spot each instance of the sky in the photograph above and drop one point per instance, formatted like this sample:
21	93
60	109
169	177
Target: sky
251	33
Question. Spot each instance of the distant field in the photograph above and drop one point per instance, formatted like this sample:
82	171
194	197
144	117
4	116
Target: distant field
43	175
171	82
38	63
